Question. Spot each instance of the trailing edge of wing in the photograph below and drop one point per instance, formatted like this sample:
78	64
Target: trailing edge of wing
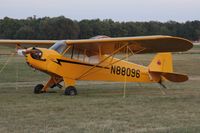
146	44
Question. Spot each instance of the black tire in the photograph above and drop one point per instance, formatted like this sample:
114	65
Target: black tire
38	88
70	91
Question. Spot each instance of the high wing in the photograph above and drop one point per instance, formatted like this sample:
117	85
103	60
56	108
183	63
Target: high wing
94	46
27	43
139	45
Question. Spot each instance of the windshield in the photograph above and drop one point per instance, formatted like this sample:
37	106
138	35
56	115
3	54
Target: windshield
59	46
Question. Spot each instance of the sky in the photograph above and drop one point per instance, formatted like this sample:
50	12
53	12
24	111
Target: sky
118	10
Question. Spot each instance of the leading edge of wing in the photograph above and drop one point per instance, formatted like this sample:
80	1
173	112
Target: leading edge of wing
150	44
13	43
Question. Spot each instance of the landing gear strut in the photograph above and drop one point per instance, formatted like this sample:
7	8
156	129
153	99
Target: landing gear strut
70	91
38	88
53	82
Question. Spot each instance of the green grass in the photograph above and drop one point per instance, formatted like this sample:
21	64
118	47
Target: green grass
100	109
18	71
100	106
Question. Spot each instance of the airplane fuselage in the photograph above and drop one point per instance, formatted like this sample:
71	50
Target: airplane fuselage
112	69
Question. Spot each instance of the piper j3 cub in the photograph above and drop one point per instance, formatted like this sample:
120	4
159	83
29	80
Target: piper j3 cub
93	59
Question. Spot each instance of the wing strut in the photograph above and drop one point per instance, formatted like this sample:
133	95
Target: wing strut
115	52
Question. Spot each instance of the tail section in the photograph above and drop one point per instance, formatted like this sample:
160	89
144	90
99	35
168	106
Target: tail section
162	62
162	66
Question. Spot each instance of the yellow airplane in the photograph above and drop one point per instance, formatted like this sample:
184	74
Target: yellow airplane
94	59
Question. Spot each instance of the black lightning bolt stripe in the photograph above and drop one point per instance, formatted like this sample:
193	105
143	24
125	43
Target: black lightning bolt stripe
59	61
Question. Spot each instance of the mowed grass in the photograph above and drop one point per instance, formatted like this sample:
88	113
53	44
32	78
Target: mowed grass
100	106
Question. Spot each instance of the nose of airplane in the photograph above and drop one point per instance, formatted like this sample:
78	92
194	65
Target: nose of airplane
34	52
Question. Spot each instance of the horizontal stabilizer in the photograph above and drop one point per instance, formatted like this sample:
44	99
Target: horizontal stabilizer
173	77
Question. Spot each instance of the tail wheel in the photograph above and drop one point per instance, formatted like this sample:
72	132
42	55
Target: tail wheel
38	88
70	91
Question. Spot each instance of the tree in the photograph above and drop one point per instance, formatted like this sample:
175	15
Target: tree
8	28
25	32
59	28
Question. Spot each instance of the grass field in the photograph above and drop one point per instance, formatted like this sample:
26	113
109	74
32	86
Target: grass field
100	106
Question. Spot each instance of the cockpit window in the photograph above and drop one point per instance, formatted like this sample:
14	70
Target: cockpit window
59	46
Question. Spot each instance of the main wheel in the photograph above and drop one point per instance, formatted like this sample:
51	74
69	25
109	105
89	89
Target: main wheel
71	91
38	88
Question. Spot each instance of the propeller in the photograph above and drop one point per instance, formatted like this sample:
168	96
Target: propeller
21	52
35	53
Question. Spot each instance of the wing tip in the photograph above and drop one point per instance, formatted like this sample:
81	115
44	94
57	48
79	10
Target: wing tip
185	43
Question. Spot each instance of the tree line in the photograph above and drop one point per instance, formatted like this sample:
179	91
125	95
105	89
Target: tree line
59	28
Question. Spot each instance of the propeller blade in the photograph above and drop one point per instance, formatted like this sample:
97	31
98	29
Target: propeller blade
21	52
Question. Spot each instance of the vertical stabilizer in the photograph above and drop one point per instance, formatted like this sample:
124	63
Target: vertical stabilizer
162	62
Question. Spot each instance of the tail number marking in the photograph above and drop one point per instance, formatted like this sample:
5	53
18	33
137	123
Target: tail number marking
117	70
